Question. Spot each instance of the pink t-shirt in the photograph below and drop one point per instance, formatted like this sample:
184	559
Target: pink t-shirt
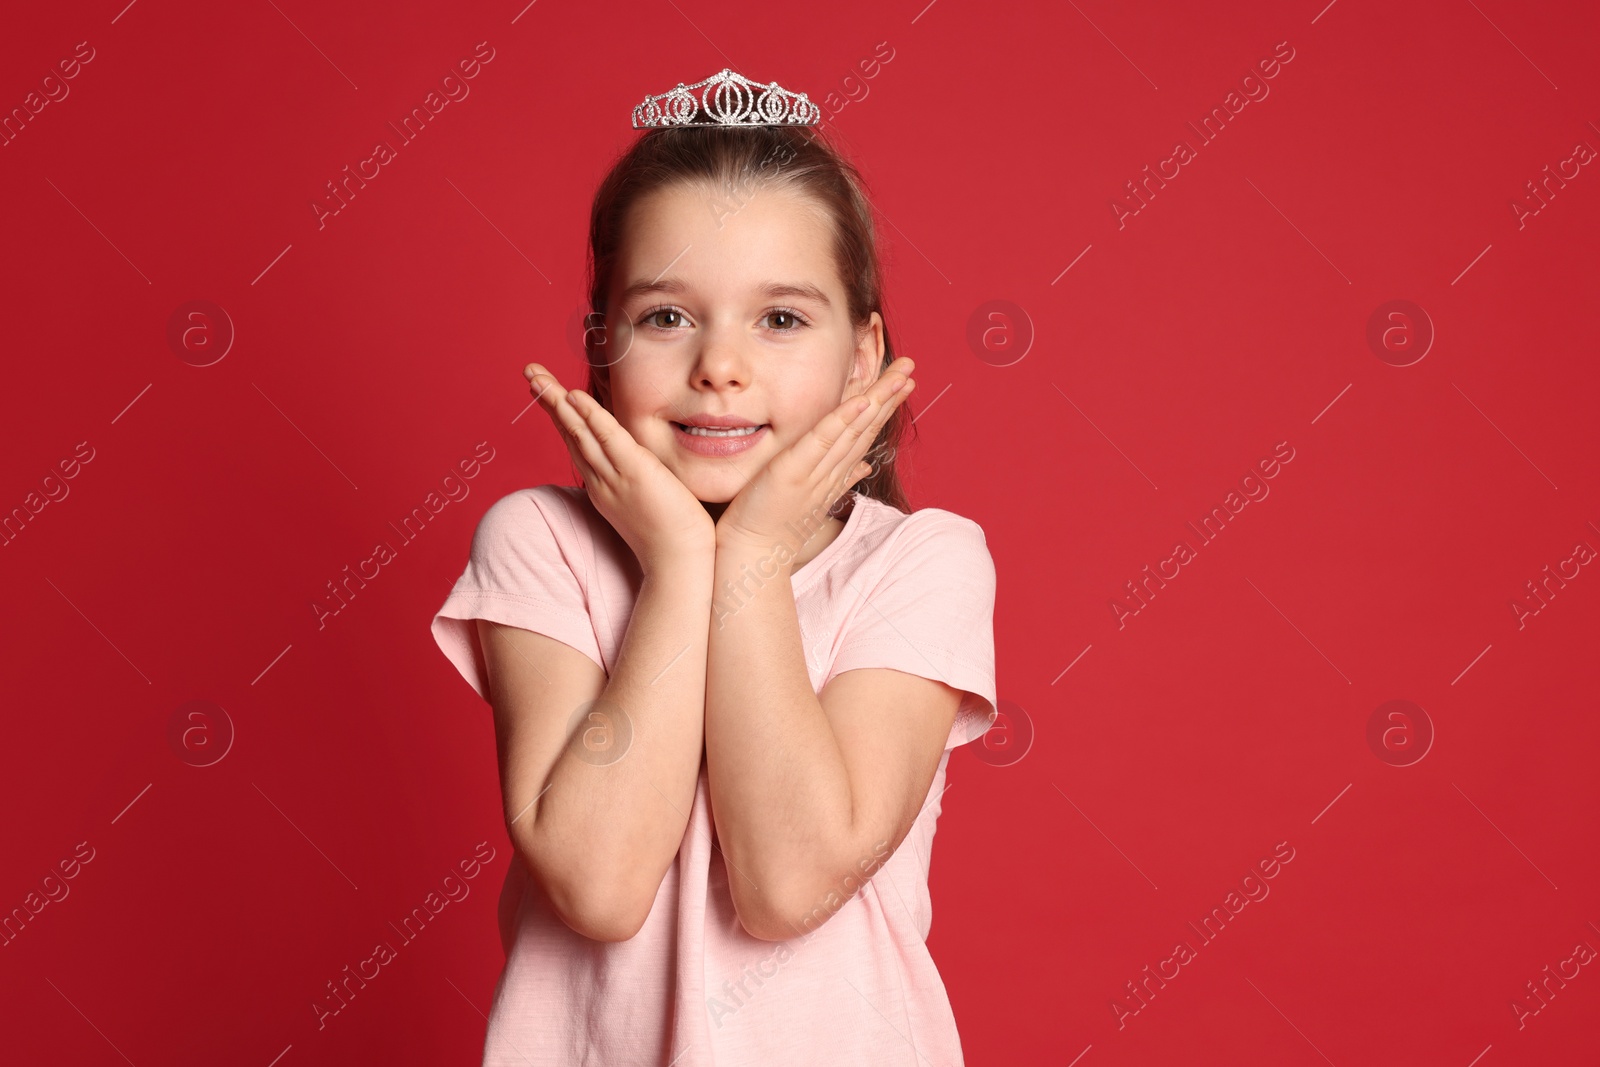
914	593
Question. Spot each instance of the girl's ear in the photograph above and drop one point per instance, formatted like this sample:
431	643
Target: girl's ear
867	361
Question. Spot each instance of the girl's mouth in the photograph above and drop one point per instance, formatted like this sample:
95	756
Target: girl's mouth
705	441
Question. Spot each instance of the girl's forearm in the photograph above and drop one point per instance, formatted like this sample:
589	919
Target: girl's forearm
780	792
608	825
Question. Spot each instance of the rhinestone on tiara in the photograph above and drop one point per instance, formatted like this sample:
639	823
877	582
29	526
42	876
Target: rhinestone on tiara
729	99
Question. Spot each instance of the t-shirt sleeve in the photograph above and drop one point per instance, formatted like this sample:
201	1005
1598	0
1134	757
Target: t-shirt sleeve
932	614
518	574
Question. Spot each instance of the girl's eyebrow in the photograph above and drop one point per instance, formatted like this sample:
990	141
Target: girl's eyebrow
804	290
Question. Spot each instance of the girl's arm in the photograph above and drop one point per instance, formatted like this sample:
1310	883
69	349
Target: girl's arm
810	795
600	826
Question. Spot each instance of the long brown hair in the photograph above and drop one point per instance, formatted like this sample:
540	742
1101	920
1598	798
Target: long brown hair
736	160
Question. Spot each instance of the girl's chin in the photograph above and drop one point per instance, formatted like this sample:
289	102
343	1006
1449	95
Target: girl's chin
710	493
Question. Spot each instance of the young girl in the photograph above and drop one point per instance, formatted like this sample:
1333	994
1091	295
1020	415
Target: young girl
728	670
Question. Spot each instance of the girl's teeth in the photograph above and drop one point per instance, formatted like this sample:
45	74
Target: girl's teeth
706	431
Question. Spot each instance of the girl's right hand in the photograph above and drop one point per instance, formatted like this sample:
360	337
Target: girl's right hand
642	500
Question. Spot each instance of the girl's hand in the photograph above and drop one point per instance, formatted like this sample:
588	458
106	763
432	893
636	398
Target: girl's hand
805	480
642	500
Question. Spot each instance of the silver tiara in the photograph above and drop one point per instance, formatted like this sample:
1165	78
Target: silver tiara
729	100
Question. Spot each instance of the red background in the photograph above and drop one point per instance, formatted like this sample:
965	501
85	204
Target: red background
1227	315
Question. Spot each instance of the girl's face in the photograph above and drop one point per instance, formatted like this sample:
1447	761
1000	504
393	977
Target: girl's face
732	310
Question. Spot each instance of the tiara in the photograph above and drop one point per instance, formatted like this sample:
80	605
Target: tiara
729	100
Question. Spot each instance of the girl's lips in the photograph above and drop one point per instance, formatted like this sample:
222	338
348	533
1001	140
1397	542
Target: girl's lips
704	445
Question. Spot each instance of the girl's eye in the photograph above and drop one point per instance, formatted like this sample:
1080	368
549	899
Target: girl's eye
781	320
663	311
791	317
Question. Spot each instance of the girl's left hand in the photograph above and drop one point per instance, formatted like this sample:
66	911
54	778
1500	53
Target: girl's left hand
806	479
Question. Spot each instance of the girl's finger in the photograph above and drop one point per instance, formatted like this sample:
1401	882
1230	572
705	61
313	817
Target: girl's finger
541	382
846	451
610	439
832	433
832	440
569	422
577	411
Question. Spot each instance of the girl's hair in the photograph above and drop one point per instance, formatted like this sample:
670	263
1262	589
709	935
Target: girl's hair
734	162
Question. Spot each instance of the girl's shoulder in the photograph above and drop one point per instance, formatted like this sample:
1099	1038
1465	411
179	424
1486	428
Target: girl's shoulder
898	541
889	523
549	516
545	499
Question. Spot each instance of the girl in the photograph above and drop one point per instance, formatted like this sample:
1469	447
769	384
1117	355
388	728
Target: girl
725	688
